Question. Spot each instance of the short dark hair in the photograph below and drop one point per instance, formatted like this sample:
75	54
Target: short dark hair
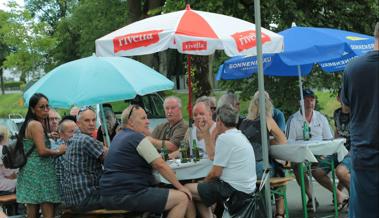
228	115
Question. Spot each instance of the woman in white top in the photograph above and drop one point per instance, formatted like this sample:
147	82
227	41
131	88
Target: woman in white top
7	176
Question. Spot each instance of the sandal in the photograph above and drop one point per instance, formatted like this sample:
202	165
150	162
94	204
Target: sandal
279	215
342	205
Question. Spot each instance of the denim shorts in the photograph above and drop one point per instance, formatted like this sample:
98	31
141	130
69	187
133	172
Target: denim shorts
347	162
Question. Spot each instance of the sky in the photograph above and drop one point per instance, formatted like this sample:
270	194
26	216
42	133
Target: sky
3	4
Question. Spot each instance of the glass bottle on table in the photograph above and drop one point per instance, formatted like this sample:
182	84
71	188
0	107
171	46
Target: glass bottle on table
306	131
164	151
195	151
183	149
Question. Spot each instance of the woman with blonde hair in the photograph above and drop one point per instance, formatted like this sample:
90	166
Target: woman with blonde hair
251	128
7	176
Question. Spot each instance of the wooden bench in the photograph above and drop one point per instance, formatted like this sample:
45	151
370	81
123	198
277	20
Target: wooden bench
9	204
101	214
278	187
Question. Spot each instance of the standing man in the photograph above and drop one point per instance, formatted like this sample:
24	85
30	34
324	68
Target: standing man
128	180
233	166
320	130
81	166
360	92
170	133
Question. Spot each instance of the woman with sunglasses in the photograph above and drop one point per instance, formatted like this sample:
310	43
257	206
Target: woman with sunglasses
36	183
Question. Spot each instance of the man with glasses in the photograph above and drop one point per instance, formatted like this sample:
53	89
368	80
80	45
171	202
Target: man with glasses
81	165
128	182
54	119
170	133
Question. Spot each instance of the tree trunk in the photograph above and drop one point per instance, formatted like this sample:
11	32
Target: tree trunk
201	85
2	81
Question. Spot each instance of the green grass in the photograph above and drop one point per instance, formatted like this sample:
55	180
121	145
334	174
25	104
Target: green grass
12	103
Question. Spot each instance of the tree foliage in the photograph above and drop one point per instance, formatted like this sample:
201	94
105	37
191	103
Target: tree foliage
52	32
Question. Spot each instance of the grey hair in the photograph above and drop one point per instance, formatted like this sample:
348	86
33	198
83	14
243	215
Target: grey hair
228	115
228	98
63	125
206	99
178	100
4	133
376	32
253	112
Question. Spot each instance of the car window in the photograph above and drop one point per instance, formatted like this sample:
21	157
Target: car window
11	126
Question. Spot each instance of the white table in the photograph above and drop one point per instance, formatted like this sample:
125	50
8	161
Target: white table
189	170
301	151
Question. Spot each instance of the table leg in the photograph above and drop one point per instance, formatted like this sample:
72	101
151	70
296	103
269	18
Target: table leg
335	204
302	185
310	179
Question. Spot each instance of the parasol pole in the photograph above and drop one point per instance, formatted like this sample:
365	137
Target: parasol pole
189	105
104	125
262	111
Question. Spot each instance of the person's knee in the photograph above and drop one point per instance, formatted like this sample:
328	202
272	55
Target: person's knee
180	197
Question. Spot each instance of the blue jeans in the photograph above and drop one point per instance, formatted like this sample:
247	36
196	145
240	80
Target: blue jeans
364	194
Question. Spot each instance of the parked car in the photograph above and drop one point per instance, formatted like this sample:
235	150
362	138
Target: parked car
11	125
17	118
152	103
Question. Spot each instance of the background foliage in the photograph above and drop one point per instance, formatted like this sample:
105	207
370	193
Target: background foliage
47	33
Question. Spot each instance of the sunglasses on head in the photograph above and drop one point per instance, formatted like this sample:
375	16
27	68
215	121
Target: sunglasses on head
131	110
82	109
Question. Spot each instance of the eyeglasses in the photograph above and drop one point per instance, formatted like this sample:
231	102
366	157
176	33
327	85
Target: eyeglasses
54	118
82	109
44	107
131	110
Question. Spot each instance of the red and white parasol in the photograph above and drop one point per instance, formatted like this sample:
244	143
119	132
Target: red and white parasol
190	32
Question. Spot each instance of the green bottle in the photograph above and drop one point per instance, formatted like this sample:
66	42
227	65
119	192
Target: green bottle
306	131
183	152
164	152
195	151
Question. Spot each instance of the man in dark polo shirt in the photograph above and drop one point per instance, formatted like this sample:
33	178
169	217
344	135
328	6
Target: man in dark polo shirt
170	133
128	182
360	92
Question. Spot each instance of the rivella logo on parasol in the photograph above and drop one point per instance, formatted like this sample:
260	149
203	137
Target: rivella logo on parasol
135	40
198	45
247	39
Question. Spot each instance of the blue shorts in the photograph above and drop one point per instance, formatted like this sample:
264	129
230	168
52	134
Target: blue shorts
347	162
151	199
276	169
